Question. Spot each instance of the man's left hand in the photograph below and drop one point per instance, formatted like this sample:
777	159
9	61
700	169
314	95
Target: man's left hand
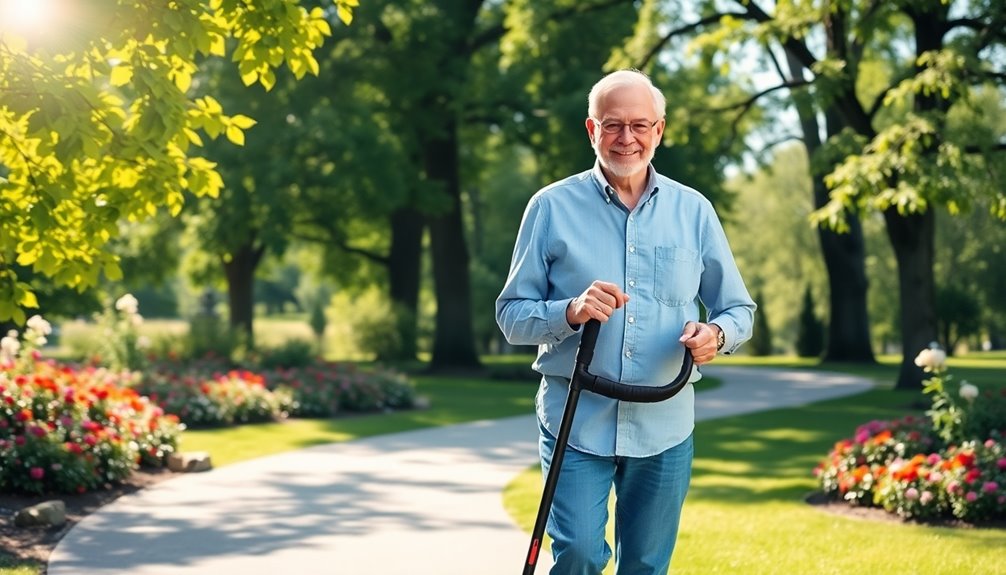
701	339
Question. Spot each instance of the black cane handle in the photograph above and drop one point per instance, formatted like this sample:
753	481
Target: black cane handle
622	391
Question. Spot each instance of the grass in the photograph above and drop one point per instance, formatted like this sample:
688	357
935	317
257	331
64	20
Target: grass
453	400
745	512
12	566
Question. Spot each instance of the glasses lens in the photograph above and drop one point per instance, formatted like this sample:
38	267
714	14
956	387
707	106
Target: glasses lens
617	127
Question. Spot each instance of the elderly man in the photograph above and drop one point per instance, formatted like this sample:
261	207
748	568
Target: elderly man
639	252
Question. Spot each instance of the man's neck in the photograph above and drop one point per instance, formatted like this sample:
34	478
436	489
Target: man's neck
629	189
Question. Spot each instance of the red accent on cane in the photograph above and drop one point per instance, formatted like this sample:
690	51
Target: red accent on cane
533	556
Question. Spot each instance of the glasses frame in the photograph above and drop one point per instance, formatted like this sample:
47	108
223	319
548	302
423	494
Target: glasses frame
622	125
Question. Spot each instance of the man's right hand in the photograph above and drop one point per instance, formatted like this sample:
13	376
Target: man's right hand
598	301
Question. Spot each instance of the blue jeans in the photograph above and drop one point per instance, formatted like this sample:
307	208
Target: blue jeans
649	493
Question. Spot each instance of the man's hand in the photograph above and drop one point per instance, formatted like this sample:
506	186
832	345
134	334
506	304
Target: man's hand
598	301
701	339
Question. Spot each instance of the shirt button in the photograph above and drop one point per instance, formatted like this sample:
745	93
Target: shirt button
632	249
628	353
632	283
632	319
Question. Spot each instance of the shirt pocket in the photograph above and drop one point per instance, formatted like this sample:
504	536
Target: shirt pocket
676	280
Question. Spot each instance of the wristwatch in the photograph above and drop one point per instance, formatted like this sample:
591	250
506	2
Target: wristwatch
721	338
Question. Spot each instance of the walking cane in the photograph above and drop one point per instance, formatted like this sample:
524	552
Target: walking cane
582	379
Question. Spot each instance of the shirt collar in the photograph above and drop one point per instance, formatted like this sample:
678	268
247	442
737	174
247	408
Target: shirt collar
608	192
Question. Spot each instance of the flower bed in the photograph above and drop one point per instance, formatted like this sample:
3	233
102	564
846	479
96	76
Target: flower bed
75	429
72	431
949	465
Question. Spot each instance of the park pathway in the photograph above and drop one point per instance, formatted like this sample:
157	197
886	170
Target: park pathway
417	503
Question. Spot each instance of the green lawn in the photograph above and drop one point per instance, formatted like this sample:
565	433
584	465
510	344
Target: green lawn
746	513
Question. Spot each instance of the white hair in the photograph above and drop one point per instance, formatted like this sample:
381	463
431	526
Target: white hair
622	78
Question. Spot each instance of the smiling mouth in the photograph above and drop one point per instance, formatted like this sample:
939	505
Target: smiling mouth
624	152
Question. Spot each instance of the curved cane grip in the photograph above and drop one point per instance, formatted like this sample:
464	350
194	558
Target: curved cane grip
621	391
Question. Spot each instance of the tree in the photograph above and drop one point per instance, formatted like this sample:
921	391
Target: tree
761	339
97	123
900	146
810	332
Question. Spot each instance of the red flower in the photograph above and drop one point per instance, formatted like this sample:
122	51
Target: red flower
36	473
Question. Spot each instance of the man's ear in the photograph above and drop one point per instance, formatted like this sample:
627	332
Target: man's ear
591	129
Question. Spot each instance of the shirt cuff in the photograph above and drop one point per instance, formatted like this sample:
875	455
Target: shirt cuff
558	327
729	336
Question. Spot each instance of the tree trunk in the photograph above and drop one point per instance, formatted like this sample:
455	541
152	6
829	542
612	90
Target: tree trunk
844	258
240	271
912	238
404	266
454	340
844	254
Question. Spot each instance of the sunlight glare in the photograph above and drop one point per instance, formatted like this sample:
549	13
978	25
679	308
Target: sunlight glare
24	16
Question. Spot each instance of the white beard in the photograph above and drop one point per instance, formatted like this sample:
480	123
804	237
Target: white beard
621	169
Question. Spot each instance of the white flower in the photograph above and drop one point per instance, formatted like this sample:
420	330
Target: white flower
143	342
969	391
137	320
128	304
9	346
39	325
931	359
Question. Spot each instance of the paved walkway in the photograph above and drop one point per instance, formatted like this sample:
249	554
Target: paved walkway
416	503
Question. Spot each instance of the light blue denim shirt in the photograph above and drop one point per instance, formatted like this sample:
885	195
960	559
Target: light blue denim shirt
669	254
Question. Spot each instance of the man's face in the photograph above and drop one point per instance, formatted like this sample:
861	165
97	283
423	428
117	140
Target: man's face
625	152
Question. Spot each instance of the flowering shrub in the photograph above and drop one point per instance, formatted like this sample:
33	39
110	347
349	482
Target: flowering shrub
72	431
952	464
209	393
202	399
327	388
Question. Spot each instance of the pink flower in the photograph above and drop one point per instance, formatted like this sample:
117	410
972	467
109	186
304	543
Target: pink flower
36	473
926	497
990	486
911	494
971	497
953	487
933	458
1001	463
989	443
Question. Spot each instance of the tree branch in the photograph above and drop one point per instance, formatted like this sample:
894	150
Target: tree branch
746	105
332	238
711	19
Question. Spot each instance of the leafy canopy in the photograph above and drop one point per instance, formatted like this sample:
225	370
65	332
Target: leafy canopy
98	124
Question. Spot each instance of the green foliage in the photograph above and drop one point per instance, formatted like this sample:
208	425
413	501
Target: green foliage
957	315
761	339
98	127
121	346
209	336
291	353
810	329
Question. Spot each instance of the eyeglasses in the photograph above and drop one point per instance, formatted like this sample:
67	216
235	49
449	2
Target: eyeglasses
639	127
